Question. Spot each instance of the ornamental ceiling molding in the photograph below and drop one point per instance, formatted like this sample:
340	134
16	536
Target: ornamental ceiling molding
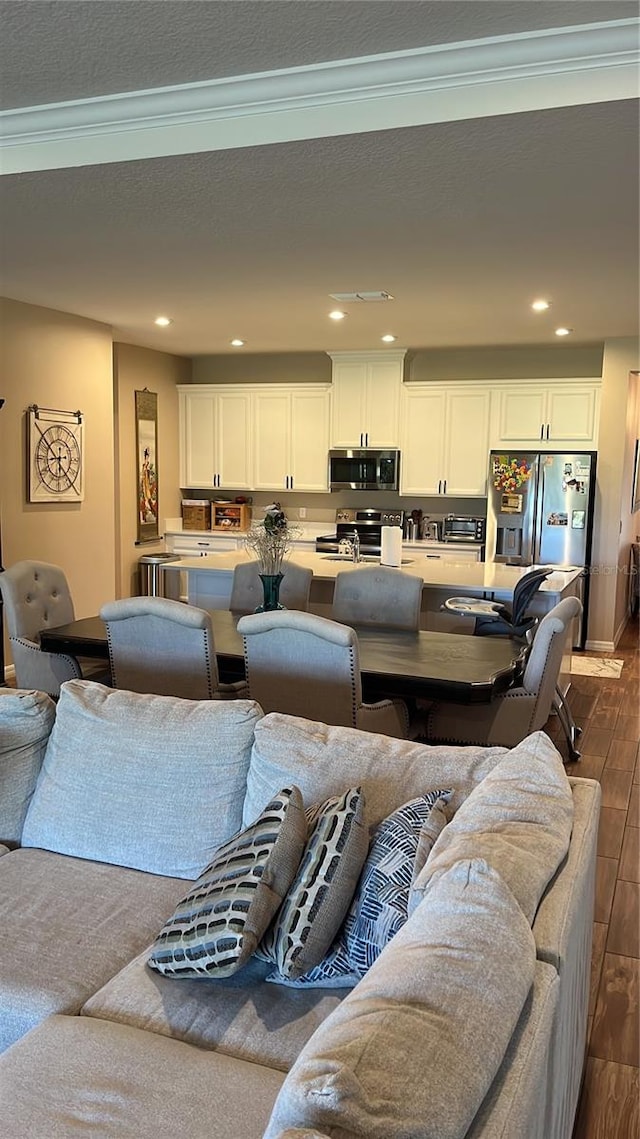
558	67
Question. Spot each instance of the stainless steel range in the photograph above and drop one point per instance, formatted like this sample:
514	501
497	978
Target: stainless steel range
367	524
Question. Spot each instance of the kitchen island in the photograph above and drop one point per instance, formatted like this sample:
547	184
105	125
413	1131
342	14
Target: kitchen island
206	581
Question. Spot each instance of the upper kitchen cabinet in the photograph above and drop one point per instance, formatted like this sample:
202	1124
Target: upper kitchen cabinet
291	437
215	436
366	398
444	439
532	413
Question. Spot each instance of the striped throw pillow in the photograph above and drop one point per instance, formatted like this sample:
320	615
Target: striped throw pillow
380	904
319	897
217	926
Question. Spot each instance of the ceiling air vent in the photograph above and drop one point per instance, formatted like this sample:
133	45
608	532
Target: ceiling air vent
367	297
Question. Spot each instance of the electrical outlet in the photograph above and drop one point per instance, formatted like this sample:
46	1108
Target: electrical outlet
302	512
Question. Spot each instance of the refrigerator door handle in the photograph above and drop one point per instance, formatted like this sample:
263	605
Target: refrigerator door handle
536	536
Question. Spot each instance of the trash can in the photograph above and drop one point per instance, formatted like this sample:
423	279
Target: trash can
151	576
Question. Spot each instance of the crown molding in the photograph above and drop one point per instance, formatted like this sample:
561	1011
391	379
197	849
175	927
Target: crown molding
586	63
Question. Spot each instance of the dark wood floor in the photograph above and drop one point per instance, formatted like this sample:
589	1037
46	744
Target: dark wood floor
608	711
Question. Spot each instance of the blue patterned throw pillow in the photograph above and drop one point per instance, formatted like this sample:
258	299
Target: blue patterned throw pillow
380	904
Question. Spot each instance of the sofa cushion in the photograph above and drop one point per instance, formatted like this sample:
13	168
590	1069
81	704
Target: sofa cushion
414	1048
323	887
217	926
237	1015
151	782
67	926
322	760
26	720
379	906
518	819
106	1080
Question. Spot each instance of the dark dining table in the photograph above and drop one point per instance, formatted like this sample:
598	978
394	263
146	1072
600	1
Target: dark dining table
430	665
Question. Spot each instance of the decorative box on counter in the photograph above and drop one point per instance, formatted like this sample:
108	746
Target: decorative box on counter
196	514
230	516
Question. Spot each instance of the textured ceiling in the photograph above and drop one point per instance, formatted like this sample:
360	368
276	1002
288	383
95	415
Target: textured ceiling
463	222
74	49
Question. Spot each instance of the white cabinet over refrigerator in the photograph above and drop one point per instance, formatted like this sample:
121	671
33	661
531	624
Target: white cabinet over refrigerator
534	413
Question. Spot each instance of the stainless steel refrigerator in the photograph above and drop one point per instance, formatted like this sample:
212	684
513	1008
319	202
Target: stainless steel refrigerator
540	509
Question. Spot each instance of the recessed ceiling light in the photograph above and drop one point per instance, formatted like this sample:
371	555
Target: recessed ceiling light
236	343
163	321
541	305
563	331
388	338
337	314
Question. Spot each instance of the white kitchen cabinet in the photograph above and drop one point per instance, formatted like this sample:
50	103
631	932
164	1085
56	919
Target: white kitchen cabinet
366	398
215	436
444	439
443	552
199	543
291	432
532	413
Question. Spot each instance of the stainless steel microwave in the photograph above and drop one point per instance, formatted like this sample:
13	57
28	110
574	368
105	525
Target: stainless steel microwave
364	469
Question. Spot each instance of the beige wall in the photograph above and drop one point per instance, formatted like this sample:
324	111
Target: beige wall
134	369
64	362
534	361
612	523
263	368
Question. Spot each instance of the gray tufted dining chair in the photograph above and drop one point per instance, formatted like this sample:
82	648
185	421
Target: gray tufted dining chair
164	647
514	714
378	595
309	666
247	593
36	596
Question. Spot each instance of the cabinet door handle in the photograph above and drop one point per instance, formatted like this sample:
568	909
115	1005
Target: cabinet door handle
547	430
445	486
366	438
291	482
433	557
542	430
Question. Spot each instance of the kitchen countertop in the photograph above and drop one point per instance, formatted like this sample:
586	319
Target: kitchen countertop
472	577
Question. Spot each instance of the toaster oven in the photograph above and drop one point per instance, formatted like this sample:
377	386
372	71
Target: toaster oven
463	528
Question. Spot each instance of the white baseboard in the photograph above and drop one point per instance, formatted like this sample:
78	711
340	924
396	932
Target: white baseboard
600	646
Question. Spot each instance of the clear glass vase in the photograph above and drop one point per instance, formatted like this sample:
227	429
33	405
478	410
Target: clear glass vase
271	592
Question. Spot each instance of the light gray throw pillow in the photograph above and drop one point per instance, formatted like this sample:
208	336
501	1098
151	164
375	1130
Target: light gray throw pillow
414	1048
519	819
151	782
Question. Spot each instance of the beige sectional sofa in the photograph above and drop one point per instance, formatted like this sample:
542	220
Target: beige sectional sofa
472	1021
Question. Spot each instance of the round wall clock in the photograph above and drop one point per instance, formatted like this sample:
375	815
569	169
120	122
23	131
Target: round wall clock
56	458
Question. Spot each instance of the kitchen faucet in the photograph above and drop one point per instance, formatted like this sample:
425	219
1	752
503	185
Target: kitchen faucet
355	546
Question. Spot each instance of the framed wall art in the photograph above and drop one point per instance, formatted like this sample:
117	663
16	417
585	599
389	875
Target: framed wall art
55	448
147	464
